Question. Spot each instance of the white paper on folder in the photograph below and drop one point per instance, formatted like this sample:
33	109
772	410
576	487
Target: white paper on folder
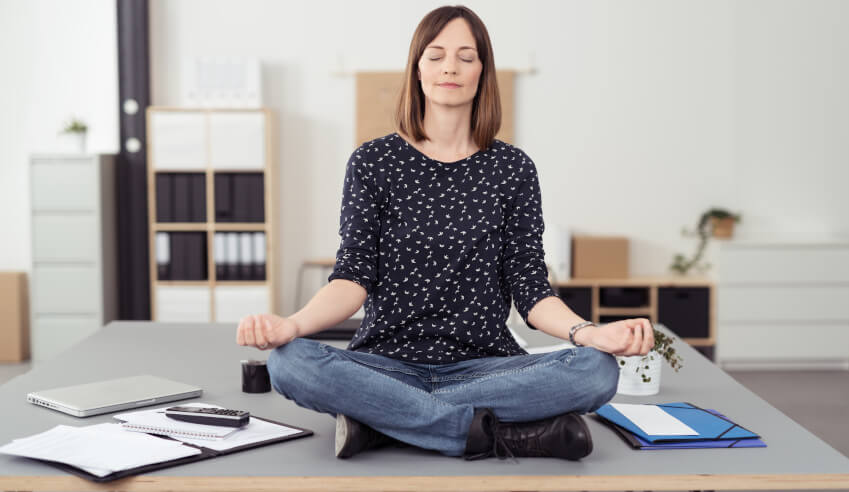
653	420
99	449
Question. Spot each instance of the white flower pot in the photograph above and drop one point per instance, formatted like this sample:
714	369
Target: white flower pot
630	380
72	142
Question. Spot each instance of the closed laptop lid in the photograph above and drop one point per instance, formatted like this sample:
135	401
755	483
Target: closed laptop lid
114	394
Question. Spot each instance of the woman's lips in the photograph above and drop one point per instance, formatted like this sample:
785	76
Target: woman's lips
449	85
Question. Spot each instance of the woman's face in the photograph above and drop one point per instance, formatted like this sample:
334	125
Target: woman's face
449	68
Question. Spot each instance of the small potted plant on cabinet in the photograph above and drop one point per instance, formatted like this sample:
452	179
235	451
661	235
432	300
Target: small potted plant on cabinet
74	134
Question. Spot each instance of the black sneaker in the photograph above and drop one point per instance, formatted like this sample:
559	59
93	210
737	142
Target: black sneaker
563	436
353	437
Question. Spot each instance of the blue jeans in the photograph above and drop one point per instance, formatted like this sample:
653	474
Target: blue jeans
431	405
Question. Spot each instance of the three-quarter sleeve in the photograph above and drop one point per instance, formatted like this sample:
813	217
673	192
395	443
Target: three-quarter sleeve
359	225
523	257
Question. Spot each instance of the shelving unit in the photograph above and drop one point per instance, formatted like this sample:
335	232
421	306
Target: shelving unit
685	305
231	149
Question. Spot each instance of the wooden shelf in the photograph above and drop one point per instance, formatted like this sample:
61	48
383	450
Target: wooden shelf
180	226
683	302
637	311
182	283
238	226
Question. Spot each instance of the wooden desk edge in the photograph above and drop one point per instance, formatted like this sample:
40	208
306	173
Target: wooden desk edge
408	483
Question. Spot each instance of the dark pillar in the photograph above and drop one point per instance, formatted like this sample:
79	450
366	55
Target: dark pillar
134	95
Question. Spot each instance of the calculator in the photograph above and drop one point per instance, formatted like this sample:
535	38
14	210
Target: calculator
209	416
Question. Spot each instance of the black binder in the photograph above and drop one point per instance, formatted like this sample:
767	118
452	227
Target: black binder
206	453
165	198
224	198
182	198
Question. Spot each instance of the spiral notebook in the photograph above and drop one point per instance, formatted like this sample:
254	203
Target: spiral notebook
155	422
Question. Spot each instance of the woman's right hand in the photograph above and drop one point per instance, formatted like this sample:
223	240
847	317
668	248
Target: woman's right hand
266	331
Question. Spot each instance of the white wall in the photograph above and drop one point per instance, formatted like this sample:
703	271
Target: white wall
641	114
59	59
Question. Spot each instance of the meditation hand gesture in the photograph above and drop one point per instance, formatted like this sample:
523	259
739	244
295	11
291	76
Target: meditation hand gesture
624	337
266	331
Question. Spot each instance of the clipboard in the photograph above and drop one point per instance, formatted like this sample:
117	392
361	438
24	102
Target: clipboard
205	454
637	442
710	427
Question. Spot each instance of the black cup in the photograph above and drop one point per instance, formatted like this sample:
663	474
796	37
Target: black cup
255	377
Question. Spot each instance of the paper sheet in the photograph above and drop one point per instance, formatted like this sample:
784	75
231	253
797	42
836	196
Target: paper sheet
652	420
99	449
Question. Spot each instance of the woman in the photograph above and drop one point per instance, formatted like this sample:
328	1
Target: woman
441	227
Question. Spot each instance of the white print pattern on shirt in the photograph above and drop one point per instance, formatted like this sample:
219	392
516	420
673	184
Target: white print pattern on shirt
441	248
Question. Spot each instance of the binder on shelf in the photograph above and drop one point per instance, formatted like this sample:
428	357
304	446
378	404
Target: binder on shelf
164	198
707	425
163	256
259	256
223	197
232	258
248	197
196	255
219	255
182	197
246	261
198	197
188	256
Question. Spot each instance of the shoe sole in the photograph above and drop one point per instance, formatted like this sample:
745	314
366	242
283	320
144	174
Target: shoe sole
342	426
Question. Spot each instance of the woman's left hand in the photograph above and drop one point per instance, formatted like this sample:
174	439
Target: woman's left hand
624	337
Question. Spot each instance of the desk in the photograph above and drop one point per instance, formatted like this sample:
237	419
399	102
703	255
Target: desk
207	356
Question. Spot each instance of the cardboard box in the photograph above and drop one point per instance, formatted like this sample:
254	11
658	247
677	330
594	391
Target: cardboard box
14	317
599	257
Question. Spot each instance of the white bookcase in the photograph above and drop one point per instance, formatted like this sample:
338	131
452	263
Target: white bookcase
208	144
73	290
783	305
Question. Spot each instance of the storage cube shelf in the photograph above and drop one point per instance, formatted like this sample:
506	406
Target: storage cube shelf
209	199
684	305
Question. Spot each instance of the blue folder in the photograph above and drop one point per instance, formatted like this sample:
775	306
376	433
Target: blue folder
710	427
638	442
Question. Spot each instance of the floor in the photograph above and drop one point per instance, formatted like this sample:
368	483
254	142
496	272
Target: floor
817	400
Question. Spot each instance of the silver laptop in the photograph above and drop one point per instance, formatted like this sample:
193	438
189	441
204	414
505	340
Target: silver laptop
84	400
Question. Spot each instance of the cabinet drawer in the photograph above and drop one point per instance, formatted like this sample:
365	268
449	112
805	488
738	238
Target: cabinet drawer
233	303
52	335
685	310
65	238
66	289
64	185
579	300
775	342
806	303
183	304
784	264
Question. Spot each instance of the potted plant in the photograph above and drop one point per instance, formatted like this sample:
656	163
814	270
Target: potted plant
716	222
74	133
640	374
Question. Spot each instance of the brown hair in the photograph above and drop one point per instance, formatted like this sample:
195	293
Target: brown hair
486	107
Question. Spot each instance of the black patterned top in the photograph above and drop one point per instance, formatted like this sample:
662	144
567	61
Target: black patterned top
441	248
